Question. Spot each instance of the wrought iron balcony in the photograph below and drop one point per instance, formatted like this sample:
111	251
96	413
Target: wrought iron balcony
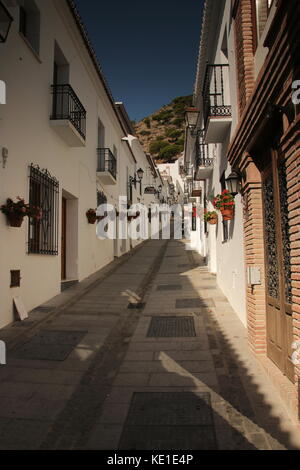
68	108
107	166
204	163
216	99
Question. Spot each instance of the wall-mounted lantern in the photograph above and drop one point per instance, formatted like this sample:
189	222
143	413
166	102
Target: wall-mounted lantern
191	119
137	179
5	22
233	182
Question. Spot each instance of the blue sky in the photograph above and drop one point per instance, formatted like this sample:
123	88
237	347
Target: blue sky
147	50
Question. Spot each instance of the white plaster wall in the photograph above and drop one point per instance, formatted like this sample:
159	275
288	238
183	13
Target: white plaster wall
25	130
226	259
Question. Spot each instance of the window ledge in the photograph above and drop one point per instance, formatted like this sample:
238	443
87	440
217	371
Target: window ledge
36	55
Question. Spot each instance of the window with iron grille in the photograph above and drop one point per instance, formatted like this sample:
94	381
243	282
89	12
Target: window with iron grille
43	193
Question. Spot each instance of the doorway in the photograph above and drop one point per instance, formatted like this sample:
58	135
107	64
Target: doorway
64	239
69	237
277	262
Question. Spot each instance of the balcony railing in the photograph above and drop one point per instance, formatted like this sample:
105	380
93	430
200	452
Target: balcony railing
202	151
107	162
216	103
67	106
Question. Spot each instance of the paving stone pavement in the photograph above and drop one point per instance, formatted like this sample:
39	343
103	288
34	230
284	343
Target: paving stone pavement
100	375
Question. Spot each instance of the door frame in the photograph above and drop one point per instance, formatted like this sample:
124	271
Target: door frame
279	355
63	239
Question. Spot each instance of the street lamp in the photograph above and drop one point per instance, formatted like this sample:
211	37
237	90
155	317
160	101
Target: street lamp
137	179
191	119
234	182
5	22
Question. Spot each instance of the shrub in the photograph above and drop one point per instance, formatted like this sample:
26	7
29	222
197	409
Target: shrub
173	133
145	132
157	146
147	121
164	116
169	151
179	121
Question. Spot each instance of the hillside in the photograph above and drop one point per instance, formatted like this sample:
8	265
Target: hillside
162	133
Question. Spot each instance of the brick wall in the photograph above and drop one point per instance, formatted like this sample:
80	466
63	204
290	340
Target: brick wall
244	51
272	86
254	255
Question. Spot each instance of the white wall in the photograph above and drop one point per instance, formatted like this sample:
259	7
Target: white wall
26	132
226	258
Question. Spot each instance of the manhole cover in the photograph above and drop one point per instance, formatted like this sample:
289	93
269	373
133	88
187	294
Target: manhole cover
50	345
138	306
169	287
172	327
193	303
175	420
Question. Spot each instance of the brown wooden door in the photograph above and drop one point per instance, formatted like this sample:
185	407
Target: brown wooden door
63	239
278	267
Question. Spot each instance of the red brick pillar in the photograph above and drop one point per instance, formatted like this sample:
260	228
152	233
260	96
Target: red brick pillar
254	254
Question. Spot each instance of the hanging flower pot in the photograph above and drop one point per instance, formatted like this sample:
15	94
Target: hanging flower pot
15	211
228	213
225	204
15	220
211	217
91	216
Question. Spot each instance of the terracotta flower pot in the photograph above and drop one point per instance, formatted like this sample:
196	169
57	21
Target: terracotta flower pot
92	219
228	213
15	220
213	221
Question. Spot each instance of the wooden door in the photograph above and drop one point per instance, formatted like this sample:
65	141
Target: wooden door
63	239
278	267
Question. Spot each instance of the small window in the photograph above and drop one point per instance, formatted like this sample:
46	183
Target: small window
43	194
15	278
30	24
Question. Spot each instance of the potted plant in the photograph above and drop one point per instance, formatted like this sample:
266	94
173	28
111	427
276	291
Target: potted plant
225	203
35	212
15	211
211	217
91	216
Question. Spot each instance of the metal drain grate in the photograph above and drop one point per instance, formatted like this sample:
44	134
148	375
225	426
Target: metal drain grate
194	303
175	420
169	287
49	345
172	327
138	306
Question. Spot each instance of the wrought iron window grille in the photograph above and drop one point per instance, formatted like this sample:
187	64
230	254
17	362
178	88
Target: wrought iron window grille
43	193
107	161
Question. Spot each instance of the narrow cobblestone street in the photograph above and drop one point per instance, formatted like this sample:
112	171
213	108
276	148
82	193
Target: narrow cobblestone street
152	357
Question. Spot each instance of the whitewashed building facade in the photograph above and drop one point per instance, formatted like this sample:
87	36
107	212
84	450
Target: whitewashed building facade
65	146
